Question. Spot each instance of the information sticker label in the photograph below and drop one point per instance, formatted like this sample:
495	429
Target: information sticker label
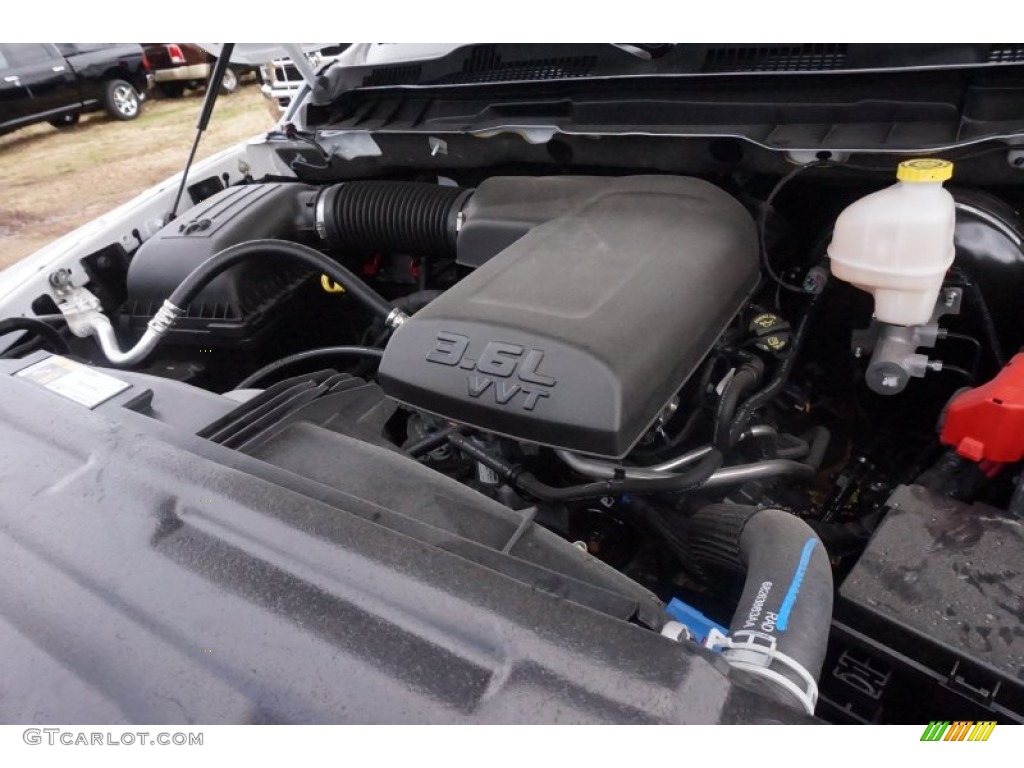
74	381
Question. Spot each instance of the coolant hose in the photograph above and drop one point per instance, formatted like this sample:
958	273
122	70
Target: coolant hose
780	630
746	377
222	261
515	476
30	324
414	302
428	443
783	465
305	356
779	380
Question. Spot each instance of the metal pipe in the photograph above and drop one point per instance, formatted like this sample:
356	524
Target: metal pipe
606	470
726	476
84	313
757	432
760	470
100	327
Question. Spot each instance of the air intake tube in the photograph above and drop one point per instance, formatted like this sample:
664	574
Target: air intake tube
391	216
780	629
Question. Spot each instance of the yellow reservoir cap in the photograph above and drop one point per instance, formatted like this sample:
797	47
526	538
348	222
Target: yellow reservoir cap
925	169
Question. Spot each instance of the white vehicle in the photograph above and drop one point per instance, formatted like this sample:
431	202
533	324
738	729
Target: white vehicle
280	79
634	383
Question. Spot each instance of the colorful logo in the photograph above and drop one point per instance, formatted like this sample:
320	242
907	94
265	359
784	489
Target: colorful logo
960	730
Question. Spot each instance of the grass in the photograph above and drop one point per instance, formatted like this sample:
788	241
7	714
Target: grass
52	181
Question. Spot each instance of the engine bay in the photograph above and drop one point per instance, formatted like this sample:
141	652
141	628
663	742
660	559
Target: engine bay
765	419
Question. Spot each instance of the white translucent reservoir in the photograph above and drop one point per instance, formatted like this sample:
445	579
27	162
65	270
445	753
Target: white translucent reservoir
897	243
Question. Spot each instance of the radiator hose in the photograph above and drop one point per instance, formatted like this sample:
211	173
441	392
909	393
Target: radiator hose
779	633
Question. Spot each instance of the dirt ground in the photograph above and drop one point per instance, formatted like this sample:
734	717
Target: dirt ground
52	181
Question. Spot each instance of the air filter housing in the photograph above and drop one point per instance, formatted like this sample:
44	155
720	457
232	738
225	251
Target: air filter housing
241	303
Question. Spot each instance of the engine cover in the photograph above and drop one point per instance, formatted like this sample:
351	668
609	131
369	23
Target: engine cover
578	334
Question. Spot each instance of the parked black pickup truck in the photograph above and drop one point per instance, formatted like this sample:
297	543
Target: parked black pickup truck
58	82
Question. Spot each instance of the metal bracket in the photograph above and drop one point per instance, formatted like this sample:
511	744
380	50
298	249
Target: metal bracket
80	308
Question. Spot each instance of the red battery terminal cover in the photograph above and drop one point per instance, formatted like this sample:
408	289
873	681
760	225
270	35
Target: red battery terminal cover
987	423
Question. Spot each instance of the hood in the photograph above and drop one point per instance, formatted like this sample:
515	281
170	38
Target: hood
800	99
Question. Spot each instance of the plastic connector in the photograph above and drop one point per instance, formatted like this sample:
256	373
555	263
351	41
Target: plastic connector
987	423
700	626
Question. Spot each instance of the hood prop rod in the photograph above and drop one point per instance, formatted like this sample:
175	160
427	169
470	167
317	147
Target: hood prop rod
209	99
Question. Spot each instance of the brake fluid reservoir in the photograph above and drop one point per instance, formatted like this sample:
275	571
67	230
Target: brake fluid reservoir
897	243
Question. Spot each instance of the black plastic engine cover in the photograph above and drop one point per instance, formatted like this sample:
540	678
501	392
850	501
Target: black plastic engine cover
153	576
578	333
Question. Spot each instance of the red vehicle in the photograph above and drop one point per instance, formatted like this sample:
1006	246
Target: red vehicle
181	66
